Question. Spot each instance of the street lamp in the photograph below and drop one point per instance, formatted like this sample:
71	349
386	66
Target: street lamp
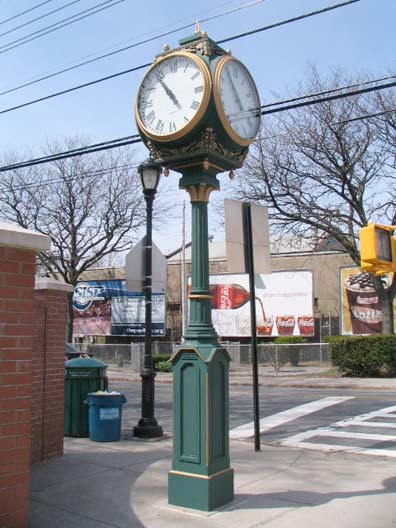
147	426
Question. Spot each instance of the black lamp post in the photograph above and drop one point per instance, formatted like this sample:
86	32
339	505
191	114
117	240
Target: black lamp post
147	426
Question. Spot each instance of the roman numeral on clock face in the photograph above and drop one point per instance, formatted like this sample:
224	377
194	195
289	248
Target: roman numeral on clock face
198	89
159	127
195	105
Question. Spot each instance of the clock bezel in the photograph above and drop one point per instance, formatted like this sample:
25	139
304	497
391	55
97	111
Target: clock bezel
219	105
186	129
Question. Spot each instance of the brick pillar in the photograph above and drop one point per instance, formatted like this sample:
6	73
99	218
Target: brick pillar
49	369
18	248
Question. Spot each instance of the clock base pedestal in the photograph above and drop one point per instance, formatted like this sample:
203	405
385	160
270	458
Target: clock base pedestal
205	493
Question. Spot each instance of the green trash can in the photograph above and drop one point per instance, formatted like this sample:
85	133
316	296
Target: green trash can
82	375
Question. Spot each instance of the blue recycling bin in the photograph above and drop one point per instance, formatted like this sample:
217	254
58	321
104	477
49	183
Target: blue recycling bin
105	413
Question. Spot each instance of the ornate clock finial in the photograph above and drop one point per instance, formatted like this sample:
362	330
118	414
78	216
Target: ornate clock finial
166	47
197	30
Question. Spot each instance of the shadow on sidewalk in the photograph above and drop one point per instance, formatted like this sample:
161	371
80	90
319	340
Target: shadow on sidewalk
302	498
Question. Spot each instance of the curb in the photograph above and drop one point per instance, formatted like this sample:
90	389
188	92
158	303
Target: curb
295	385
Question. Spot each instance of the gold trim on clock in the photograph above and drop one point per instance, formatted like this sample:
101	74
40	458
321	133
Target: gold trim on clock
219	105
201	109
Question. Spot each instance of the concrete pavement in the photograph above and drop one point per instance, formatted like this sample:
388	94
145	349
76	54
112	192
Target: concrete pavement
124	484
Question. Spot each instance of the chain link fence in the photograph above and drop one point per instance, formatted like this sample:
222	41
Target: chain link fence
268	355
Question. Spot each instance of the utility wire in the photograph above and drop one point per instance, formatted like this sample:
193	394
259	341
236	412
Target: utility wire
125	48
329	98
77	151
39	18
72	19
118	74
86	174
283	22
366	116
130	140
24	12
316	94
62	155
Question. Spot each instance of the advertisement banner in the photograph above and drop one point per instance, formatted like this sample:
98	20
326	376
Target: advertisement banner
284	304
361	312
106	307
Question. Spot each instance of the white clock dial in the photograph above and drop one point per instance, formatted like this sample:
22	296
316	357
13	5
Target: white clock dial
238	100
172	94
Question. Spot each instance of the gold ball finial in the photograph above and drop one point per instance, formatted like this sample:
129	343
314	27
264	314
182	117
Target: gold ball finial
229	51
204	34
166	47
166	171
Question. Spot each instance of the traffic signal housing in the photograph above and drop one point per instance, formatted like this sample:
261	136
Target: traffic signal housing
377	249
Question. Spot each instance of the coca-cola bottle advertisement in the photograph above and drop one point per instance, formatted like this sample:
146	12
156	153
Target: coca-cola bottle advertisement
284	304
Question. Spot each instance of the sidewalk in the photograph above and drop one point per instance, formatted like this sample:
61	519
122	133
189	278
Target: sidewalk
124	485
298	377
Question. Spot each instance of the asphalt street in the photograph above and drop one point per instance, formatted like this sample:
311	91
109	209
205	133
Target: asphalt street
327	419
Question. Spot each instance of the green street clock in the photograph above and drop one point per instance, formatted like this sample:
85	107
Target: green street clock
197	110
198	104
173	97
237	100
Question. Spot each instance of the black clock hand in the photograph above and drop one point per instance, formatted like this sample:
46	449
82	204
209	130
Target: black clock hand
236	95
170	94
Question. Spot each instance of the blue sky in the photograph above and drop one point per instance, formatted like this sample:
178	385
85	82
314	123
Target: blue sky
359	37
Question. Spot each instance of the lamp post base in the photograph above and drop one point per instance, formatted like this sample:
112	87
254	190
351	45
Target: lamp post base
147	428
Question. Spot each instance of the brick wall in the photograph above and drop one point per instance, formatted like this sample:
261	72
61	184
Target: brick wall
48	369
17	265
16	338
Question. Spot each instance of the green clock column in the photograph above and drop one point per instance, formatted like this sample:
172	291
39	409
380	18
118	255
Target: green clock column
201	476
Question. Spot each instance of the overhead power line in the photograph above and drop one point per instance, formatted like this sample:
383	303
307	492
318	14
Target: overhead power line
332	90
130	140
90	149
328	98
125	48
38	18
288	21
87	174
366	116
24	12
124	72
71	20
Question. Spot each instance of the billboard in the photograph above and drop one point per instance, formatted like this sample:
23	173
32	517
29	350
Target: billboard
284	304
361	312
106	307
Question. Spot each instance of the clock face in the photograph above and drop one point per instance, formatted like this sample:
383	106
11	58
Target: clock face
173	96
237	100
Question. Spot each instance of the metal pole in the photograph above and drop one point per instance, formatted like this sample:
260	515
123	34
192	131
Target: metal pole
249	259
147	426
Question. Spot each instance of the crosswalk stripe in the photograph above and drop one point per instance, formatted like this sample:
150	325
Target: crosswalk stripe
359	436
301	439
380	425
269	422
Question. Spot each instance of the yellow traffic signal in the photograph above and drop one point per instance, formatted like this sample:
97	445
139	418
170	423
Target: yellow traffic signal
377	249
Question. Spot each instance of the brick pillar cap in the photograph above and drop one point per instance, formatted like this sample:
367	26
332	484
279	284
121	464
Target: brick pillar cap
45	283
13	235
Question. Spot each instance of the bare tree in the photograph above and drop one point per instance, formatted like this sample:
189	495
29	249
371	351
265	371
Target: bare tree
325	176
90	207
